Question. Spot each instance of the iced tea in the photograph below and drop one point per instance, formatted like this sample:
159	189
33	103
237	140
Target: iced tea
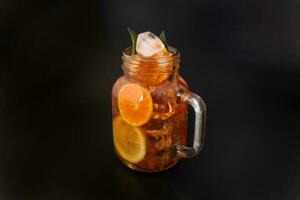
149	108
165	128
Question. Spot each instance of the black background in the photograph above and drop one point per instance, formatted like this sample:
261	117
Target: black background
59	60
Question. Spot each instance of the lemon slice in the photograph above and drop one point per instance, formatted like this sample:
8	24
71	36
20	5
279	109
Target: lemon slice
129	141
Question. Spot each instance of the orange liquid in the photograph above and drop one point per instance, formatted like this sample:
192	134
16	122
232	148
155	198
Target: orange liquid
166	127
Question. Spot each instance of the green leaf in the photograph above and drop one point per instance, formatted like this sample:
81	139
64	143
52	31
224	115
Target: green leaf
162	37
133	36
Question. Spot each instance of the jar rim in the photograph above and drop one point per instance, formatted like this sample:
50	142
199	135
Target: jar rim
175	54
134	60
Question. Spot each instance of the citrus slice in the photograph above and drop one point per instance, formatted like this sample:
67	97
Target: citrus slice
135	104
129	141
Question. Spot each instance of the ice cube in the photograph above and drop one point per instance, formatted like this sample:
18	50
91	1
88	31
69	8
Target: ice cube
149	44
163	142
159	143
164	98
158	127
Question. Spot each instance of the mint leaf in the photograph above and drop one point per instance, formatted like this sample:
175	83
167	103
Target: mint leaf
133	36
162	37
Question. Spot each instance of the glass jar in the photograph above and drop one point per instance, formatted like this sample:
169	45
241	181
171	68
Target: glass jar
149	110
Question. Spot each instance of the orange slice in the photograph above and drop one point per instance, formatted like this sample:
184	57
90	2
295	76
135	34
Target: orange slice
135	104
129	141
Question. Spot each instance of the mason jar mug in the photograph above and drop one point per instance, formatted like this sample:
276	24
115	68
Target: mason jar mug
149	113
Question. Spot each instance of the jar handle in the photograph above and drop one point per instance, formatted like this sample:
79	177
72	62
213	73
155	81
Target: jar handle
200	121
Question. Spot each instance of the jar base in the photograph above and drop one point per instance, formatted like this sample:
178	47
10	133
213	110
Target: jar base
136	168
